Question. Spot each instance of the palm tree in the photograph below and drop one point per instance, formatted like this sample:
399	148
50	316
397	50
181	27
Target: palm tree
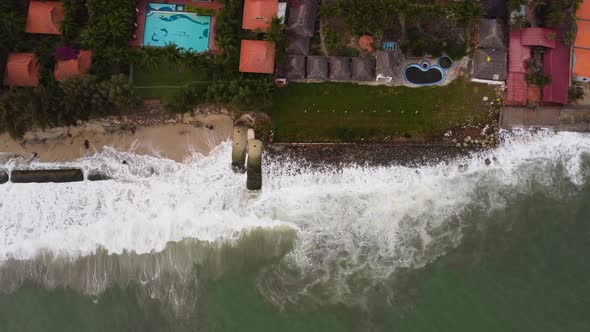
469	13
515	4
151	57
554	18
518	21
535	5
172	53
404	10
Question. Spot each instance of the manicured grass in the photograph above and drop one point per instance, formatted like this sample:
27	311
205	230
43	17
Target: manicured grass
162	79
337	112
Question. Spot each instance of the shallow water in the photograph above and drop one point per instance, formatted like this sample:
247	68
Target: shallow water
458	246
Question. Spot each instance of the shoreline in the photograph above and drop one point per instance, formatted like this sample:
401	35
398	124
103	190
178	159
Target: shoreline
150	133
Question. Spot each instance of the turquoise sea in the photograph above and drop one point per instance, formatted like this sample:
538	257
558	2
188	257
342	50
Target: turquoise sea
458	246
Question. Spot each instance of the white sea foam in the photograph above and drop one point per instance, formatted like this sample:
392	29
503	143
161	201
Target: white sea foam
355	222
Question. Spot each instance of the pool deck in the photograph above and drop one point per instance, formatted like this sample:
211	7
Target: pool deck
142	7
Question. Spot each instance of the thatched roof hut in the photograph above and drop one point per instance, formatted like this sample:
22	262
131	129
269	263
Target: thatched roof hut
363	69
296	67
298	44
317	67
302	16
490	64
387	62
340	69
490	34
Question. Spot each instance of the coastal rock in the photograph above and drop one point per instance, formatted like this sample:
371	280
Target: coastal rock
487	161
3	177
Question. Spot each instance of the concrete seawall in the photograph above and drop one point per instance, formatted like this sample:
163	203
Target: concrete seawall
238	153
561	119
45	176
254	165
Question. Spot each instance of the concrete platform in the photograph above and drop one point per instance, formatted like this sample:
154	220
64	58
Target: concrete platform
562	119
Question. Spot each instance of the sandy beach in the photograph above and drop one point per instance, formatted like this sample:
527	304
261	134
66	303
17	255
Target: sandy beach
173	136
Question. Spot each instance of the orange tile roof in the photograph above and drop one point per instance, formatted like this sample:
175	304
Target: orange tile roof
22	69
583	34
581	62
257	56
44	17
584	11
259	13
79	66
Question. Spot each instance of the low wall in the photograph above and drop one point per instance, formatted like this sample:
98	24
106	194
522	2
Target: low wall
45	176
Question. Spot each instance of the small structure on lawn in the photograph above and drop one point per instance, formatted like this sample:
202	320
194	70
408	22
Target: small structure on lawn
490	34
73	67
317	67
45	17
259	13
296	67
363	69
490	65
366	43
340	68
257	56
387	62
22	69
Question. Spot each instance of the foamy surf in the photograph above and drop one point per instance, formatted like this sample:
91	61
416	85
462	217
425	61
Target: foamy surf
351	223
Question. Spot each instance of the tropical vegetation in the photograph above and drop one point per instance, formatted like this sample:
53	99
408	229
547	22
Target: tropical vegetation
421	28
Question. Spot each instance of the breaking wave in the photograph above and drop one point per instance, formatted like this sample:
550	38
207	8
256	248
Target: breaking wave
331	236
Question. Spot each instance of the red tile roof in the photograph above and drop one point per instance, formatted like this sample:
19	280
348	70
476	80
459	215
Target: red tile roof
516	92
79	66
556	63
44	17
518	54
259	13
22	69
257	56
538	37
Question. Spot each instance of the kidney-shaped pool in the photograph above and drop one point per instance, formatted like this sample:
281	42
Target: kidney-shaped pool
424	74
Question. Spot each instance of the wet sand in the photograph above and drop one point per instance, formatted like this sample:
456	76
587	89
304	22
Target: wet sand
175	137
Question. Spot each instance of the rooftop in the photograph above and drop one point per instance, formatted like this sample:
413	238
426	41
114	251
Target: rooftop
78	66
257	56
22	69
259	13
44	17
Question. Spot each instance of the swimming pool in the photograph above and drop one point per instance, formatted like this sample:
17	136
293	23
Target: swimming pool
424	74
186	30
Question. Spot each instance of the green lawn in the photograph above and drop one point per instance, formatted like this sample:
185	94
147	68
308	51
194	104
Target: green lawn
163	79
335	112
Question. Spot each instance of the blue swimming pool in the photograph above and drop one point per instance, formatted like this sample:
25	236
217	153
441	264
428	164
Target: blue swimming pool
424	74
186	30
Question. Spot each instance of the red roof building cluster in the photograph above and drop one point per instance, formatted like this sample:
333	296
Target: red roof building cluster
555	60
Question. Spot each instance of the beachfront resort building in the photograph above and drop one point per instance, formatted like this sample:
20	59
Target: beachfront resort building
556	57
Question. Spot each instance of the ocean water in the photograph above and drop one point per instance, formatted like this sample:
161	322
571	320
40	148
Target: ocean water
166	246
